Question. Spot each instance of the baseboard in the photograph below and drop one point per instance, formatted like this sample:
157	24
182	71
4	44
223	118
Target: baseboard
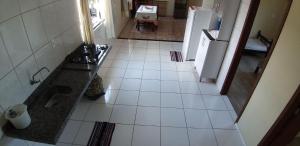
240	134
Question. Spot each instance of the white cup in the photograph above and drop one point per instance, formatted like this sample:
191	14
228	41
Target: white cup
22	119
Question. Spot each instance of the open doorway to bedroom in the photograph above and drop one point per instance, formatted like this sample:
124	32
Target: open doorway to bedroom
254	50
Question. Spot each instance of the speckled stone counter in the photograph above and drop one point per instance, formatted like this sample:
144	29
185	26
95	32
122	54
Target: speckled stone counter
48	123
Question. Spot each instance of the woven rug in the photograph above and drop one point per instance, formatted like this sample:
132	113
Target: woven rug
102	134
176	56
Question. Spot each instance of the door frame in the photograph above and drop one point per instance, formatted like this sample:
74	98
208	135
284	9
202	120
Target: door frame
285	128
250	18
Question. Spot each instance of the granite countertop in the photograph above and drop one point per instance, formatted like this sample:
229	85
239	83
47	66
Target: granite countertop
48	123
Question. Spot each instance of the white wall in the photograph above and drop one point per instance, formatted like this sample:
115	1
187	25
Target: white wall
278	83
208	3
271	14
240	20
33	34
170	8
119	19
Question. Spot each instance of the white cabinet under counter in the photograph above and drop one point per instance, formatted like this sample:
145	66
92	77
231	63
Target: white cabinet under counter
210	54
100	36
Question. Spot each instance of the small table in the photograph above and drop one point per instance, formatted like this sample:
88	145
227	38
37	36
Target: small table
146	14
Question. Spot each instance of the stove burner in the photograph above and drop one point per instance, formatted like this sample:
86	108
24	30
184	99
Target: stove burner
87	54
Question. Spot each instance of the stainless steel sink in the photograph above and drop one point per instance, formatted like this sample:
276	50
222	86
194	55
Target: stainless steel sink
55	94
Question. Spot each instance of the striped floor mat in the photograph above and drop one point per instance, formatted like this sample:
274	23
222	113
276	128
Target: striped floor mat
176	56
102	134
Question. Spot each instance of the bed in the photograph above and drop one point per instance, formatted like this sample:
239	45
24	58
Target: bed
259	44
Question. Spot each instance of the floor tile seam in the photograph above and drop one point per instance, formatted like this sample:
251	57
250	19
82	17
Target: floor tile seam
77	132
137	124
136	112
85	113
185	118
115	102
223	98
138	105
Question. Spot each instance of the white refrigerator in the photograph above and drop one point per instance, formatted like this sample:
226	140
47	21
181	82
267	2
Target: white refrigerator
198	19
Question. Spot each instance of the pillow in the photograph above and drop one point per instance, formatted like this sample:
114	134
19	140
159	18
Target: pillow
256	45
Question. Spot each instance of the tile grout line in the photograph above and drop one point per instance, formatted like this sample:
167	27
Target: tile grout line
118	93
213	131
77	131
136	112
160	116
162	126
185	118
158	106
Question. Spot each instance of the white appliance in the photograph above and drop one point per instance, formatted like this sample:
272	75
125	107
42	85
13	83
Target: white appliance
213	43
100	36
210	55
198	19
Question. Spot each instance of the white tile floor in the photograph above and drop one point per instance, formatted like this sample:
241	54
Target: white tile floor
155	102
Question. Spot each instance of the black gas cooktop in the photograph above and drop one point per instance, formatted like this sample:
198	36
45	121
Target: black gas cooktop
87	54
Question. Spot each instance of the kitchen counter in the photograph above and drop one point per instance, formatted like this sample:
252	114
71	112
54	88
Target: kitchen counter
48	123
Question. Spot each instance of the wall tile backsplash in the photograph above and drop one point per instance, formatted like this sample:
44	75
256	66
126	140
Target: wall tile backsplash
50	19
33	34
24	72
35	29
5	63
11	90
26	5
15	39
8	9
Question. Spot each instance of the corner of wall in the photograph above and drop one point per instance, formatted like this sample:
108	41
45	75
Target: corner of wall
235	35
2	121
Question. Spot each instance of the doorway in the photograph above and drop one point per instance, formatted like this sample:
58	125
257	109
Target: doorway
263	25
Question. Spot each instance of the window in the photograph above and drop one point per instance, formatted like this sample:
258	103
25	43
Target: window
95	13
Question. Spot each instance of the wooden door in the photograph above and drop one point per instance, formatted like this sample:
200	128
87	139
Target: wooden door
287	126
